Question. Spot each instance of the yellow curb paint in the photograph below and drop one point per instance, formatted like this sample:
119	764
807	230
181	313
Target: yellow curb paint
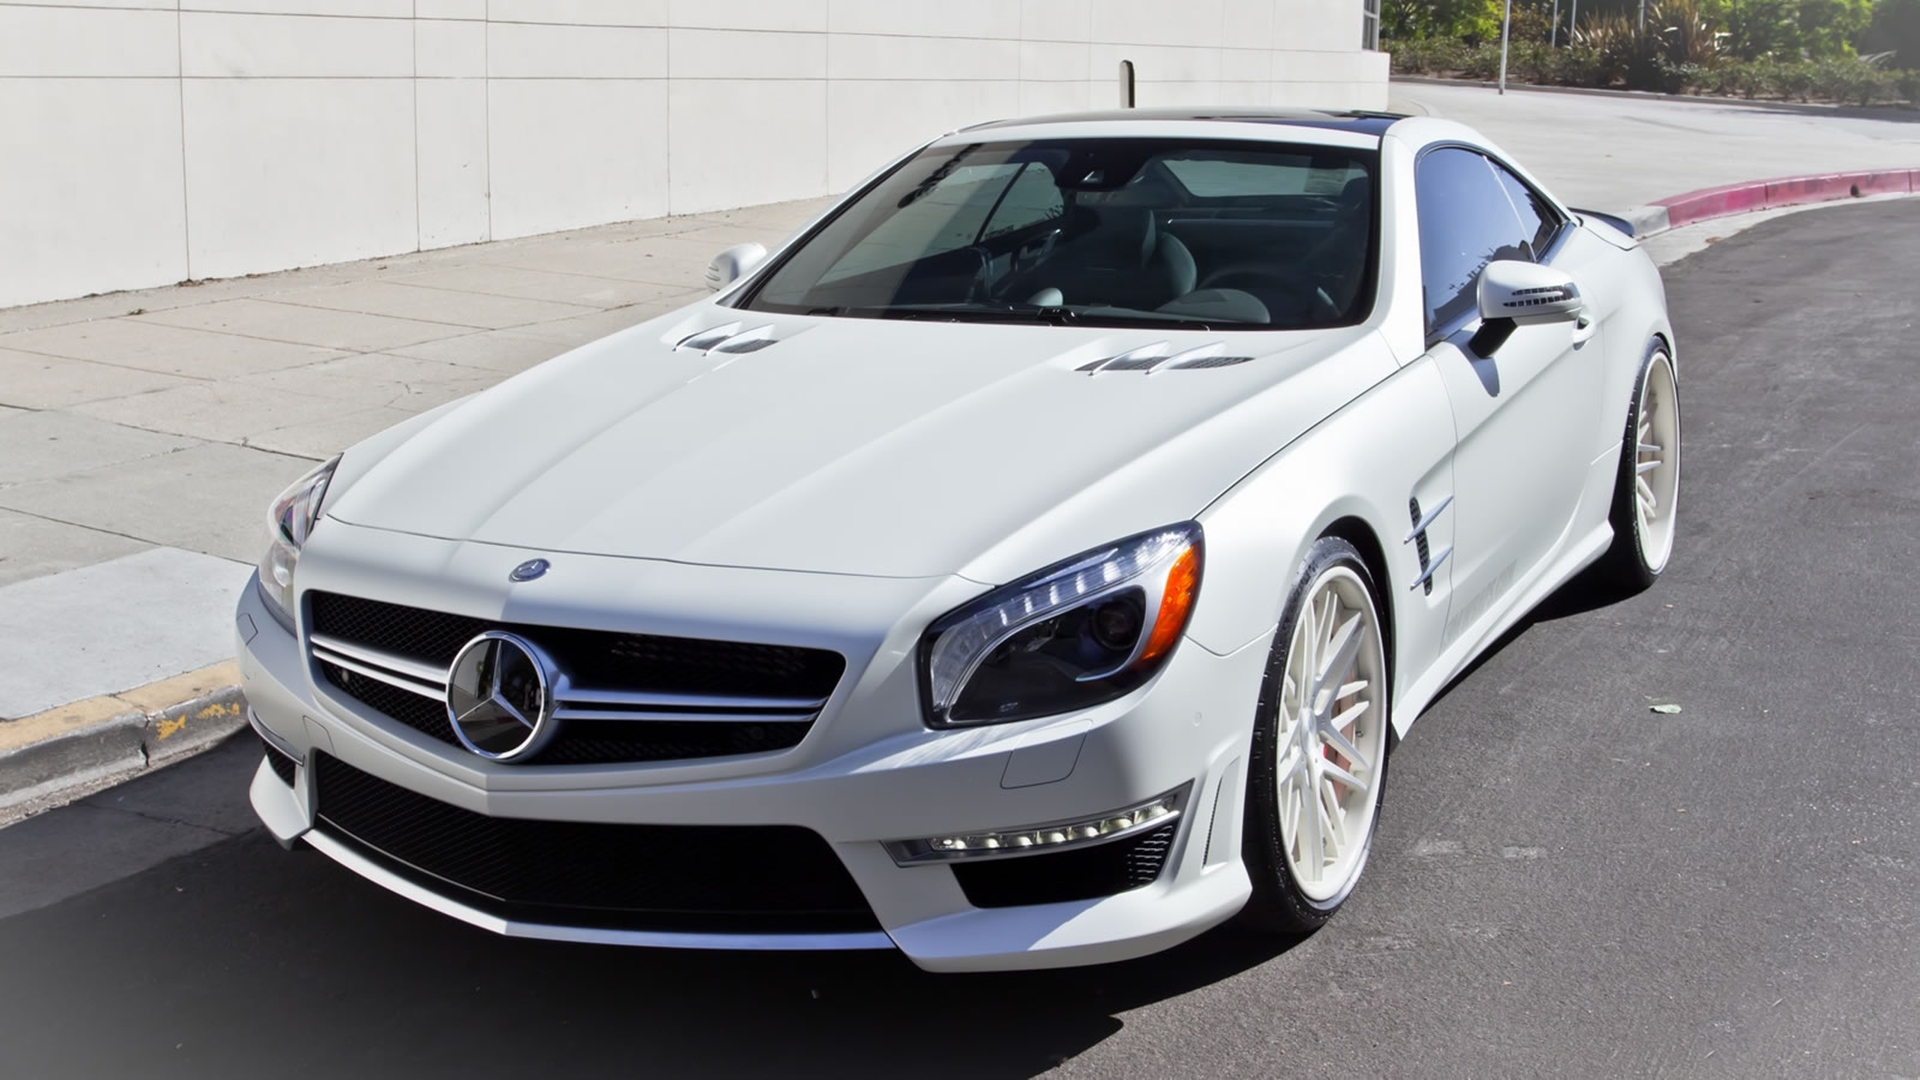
143	701
166	729
165	694
53	723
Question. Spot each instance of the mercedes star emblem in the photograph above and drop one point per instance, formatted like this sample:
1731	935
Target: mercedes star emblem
529	570
499	697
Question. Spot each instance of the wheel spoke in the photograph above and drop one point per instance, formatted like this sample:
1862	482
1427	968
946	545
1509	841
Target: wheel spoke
1347	716
1645	467
1345	748
1327	807
1312	849
1647	502
1343	651
1290	771
1333	771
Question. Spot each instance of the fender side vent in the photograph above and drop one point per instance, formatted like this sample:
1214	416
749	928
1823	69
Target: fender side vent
1420	544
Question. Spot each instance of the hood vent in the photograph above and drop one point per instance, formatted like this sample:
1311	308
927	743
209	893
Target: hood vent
1155	357
730	339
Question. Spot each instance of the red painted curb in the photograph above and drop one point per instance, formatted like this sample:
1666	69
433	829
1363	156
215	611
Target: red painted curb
1786	191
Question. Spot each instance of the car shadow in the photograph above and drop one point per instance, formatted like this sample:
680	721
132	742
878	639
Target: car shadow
241	954
1587	591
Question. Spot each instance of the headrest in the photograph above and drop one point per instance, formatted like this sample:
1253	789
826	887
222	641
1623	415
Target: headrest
1355	195
1129	230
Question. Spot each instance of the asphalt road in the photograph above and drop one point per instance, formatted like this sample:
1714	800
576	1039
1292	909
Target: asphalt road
1565	883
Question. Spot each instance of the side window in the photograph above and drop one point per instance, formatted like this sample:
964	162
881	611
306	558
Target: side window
1466	222
1538	219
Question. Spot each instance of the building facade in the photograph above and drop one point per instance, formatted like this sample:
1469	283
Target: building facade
145	142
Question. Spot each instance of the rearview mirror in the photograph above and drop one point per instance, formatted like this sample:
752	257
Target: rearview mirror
1527	293
733	264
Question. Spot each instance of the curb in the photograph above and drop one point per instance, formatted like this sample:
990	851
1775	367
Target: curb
1727	199
108	737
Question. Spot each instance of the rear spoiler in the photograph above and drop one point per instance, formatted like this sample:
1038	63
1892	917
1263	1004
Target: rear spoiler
1616	221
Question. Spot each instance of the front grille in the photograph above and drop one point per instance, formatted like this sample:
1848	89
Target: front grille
417	711
1086	874
597	660
687	878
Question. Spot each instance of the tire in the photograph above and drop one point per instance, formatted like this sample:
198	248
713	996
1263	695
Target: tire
1646	491
1298	882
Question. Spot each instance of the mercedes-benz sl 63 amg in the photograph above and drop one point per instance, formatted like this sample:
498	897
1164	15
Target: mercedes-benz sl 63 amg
1033	562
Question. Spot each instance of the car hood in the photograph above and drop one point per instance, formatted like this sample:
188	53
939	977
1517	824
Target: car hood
852	446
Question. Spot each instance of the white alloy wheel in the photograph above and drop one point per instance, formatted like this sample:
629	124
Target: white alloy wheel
1656	463
1331	735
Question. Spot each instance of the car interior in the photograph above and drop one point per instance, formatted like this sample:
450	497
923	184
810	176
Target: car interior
1282	240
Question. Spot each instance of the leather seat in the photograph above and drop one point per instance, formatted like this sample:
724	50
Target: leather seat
1120	257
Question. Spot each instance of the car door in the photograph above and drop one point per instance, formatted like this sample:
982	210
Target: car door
1520	404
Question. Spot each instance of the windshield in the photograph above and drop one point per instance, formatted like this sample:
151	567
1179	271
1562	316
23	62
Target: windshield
1102	231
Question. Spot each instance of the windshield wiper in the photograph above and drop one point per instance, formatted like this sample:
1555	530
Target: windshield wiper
1016	313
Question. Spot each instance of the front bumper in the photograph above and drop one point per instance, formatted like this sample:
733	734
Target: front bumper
849	781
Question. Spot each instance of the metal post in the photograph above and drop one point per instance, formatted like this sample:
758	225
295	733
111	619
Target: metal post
1643	16
1553	32
1506	31
1573	25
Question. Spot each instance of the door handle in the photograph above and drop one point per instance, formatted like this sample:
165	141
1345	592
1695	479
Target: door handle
1583	330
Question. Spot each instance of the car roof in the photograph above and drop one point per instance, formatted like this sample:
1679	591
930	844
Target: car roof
1357	121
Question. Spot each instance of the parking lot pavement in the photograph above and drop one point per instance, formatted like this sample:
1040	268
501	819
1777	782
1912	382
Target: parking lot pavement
1565	882
1615	151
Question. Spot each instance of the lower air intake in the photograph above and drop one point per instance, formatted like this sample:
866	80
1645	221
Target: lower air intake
767	879
282	765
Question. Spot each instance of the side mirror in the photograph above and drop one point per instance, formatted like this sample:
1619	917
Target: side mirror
1527	293
733	264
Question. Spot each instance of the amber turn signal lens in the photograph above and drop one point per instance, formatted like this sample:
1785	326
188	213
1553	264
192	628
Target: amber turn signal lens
1176	603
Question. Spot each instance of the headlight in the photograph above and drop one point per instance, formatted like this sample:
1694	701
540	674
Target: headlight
1074	635
288	524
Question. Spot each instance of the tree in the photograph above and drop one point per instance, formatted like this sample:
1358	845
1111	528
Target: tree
1895	29
1468	20
1790	28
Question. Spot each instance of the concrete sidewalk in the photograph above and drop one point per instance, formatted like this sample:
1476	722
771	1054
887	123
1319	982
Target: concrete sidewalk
142	434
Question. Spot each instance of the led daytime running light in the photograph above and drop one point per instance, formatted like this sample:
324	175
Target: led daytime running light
1033	841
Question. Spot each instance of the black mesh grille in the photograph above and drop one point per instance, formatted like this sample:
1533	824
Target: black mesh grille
1092	872
691	878
414	710
281	764
595	659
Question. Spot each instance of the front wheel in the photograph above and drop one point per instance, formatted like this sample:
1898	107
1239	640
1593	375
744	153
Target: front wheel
1646	492
1319	745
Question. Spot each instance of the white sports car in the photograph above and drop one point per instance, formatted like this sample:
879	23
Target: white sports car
1031	563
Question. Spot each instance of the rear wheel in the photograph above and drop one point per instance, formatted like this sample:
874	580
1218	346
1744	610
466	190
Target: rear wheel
1319	745
1646	492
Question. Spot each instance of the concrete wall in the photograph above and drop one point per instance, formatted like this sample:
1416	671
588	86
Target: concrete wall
144	142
